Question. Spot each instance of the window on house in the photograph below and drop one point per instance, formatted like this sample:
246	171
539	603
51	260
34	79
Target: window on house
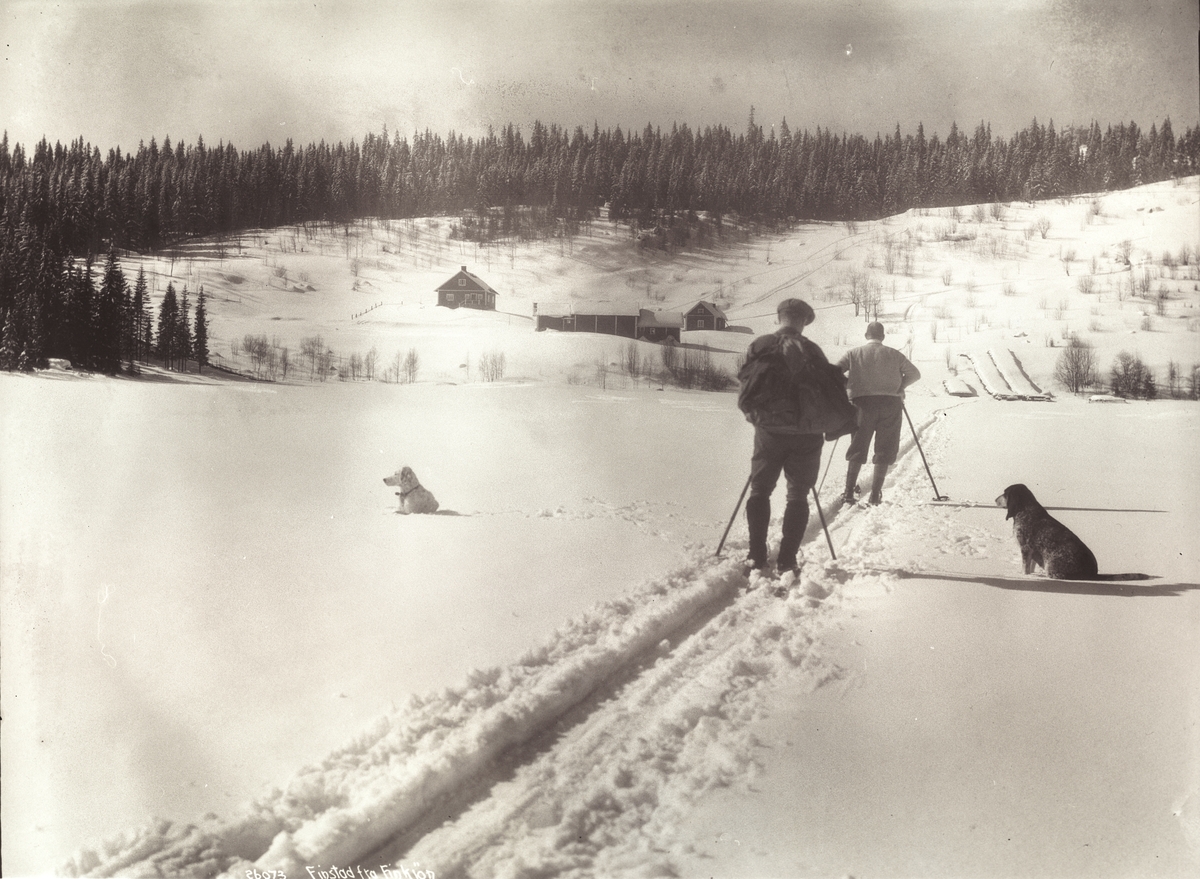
462	282
701	323
449	297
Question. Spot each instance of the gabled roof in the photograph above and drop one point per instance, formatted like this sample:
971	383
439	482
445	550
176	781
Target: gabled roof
669	320
710	308
452	285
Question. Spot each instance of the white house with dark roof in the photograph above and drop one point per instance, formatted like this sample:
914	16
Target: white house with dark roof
465	290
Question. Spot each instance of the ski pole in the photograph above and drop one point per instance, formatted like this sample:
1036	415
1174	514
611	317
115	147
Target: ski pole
830	463
735	512
937	496
824	527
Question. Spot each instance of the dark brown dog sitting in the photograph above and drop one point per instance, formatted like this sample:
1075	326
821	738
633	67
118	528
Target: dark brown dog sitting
1044	540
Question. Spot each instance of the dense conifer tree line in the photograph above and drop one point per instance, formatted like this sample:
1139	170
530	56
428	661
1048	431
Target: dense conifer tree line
63	204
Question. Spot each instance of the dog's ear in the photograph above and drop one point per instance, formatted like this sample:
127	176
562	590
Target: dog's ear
1011	500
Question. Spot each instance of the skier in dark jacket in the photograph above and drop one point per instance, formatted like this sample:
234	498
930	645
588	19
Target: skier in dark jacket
782	443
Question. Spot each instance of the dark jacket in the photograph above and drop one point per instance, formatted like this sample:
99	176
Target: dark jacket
784	413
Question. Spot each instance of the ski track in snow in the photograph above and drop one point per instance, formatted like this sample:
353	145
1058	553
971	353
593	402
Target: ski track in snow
579	758
1006	361
648	517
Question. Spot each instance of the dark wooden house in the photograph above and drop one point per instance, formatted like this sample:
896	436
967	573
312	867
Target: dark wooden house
466	290
705	316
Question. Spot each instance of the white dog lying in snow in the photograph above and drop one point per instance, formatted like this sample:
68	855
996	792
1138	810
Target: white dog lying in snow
414	497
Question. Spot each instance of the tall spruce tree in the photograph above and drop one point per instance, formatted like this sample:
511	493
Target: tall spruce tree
137	319
168	320
200	348
110	317
183	330
81	316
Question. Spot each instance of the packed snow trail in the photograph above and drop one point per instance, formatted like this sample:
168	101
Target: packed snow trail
574	758
604	798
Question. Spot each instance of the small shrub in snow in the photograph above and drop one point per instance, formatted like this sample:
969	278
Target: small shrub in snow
491	366
1067	257
1144	281
632	361
1174	379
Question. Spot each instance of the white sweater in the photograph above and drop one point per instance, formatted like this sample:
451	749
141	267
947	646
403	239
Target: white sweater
877	371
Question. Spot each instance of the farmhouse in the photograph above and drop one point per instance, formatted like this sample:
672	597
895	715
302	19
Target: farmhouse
466	290
705	316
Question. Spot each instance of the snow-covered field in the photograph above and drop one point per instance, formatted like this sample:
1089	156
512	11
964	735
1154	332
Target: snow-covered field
213	615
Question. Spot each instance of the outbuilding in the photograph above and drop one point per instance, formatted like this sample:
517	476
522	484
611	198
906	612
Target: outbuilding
615	319
658	326
466	290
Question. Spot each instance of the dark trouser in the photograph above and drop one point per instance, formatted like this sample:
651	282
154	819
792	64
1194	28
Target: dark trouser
879	417
798	456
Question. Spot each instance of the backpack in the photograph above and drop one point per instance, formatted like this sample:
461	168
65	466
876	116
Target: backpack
810	400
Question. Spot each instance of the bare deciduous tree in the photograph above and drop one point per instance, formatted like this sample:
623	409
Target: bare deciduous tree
412	364
1076	367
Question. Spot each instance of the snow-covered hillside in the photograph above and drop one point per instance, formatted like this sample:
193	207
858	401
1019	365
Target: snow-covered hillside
1120	270
213	615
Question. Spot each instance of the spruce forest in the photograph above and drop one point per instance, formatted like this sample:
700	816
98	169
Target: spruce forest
64	208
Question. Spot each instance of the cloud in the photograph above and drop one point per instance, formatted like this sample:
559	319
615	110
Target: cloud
117	73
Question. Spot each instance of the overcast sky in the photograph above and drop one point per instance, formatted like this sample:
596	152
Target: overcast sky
253	71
